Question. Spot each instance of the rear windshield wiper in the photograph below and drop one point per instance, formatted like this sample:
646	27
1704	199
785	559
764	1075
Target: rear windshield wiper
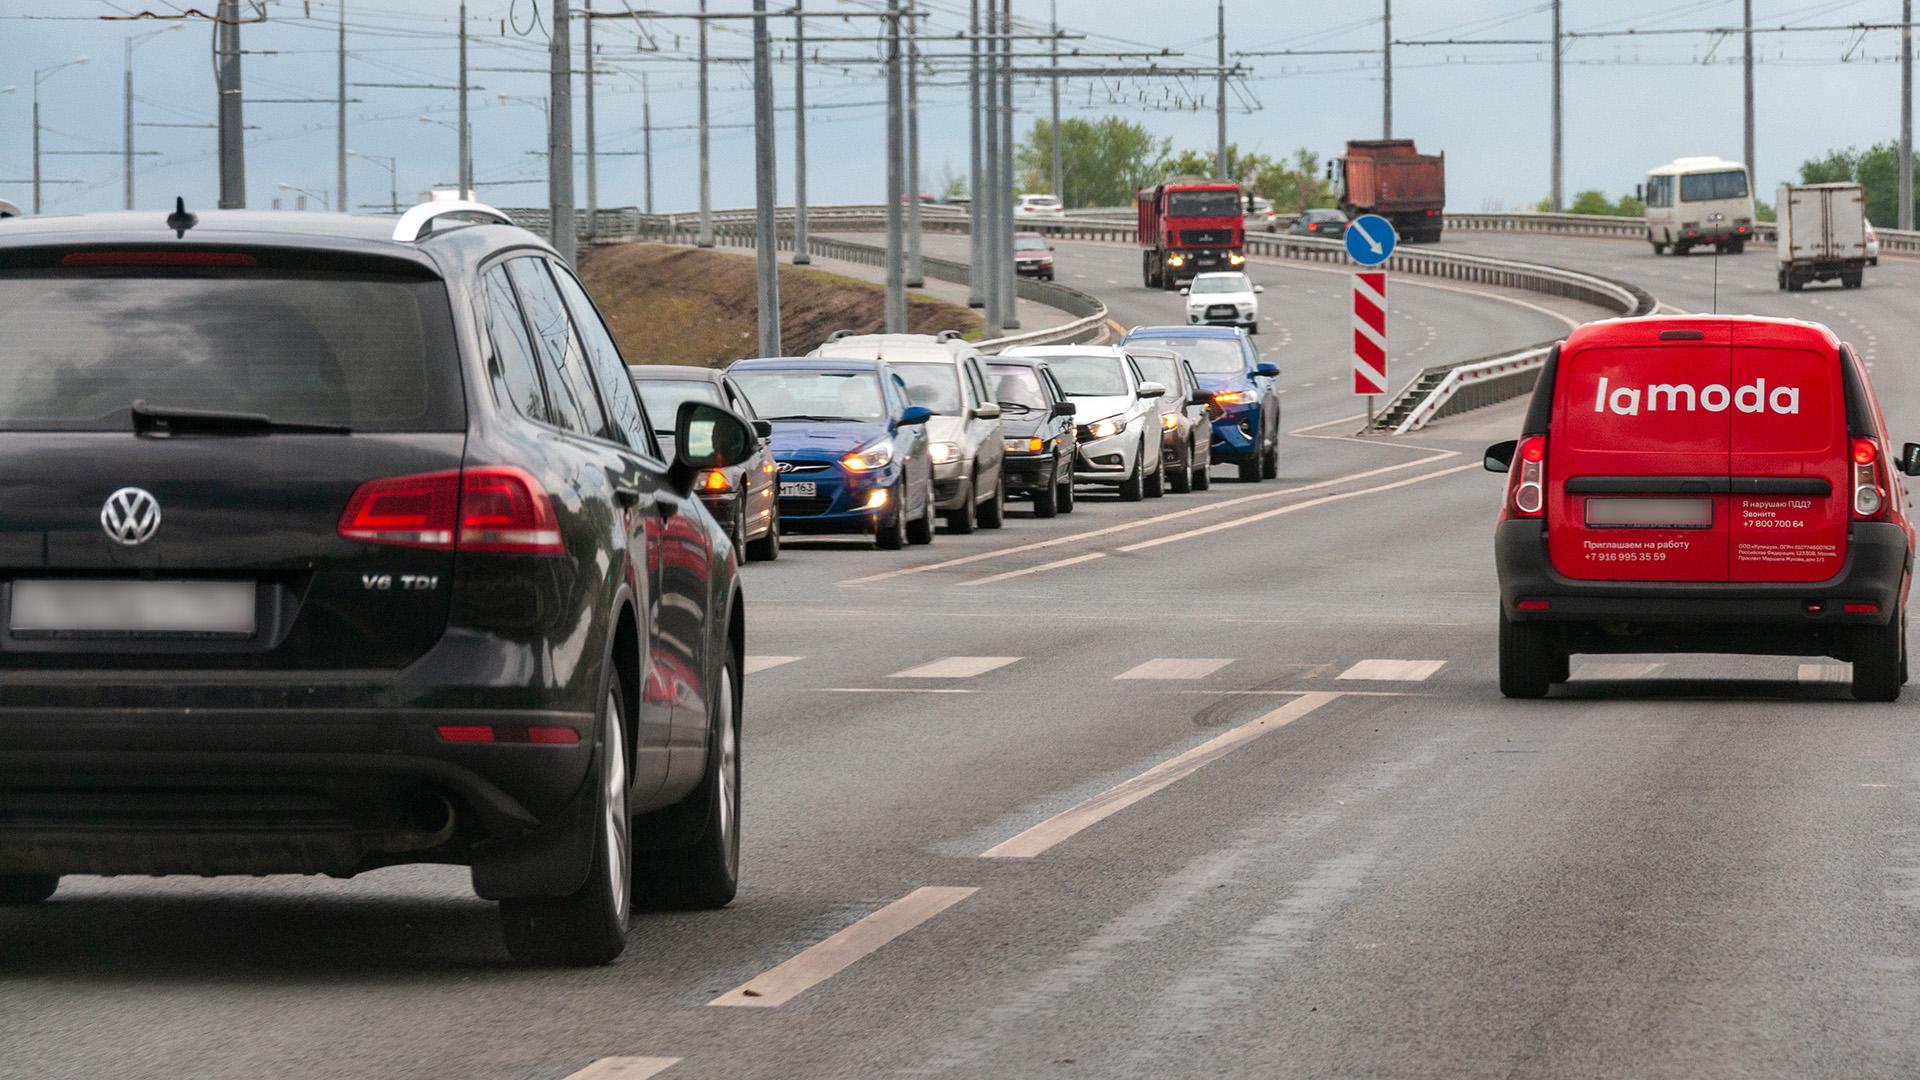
174	421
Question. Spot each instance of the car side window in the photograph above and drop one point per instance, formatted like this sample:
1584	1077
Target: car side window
515	377
570	394
737	401
609	370
979	381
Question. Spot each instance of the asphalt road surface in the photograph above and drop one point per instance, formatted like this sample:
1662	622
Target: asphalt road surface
1214	785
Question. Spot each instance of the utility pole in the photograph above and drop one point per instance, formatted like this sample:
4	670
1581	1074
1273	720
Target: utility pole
1004	258
340	117
705	237
801	256
914	278
1386	66
1555	196
766	256
126	123
1747	62
976	232
593	178
1059	173
233	152
1219	97
466	136
986	235
560	131
1906	115
646	135
896	310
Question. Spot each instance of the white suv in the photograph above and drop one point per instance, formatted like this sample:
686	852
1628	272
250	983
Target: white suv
1039	208
1117	414
943	373
1227	297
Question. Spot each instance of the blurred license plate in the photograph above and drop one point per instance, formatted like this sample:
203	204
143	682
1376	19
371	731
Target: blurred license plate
798	488
1650	513
132	607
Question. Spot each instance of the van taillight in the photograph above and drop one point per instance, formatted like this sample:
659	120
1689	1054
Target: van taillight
1529	473
1869	495
498	509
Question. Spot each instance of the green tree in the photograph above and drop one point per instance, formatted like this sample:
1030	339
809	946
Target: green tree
1104	161
1591	201
1877	169
1291	184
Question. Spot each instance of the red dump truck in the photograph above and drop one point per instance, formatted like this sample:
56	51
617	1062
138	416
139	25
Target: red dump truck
1189	225
1390	178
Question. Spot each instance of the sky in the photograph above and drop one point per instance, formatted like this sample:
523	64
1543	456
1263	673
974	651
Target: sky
1628	103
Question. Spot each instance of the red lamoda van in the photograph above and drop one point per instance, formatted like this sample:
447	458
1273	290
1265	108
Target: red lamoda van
1703	484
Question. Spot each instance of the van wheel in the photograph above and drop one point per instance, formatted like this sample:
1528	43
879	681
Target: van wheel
1878	656
1659	248
1527	664
27	888
993	512
705	873
961	520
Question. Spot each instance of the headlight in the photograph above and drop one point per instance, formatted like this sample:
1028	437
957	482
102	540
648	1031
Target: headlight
1176	259
1234	258
1169	421
943	452
1106	429
1233	397
868	458
1026	446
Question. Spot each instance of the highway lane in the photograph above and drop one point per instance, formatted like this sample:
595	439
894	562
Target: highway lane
1658	873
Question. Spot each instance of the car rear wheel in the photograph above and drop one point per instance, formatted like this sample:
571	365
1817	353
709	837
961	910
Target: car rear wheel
1526	659
27	888
767	548
705	873
1879	655
993	512
892	534
961	519
1181	479
588	927
1046	497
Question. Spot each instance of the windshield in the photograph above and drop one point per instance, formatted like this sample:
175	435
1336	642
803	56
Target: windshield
1018	386
352	350
1699	187
1029	243
936	386
663	398
1089	376
1226	283
813	395
1208	356
1203	204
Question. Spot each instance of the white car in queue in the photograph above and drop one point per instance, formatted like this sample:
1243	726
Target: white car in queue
1117	413
1224	298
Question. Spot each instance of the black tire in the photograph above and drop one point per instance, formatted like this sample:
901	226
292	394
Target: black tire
1146	270
1794	284
1738	247
1562	667
892	534
1133	488
1527	663
1181	478
920	529
993	512
1658	247
1066	488
705	874
1878	656
737	530
767	548
1253	327
1270	462
1046	497
27	888
961	520
1203	470
589	926
1852	280
1780	278
1156	482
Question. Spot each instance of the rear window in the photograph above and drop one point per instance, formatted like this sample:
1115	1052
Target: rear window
1209	356
813	395
663	398
1159	369
1089	376
1699	187
1018	385
935	386
370	352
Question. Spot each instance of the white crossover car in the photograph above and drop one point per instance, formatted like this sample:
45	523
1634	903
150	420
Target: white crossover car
1116	412
1226	298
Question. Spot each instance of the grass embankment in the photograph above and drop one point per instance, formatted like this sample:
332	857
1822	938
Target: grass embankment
675	305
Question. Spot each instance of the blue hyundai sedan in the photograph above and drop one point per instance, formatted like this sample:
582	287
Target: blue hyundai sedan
850	448
1245	391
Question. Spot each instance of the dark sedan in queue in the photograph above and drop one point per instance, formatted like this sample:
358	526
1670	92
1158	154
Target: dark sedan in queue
1036	419
850	449
741	497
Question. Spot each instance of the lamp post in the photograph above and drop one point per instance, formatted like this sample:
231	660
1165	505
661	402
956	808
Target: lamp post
466	165
39	76
392	165
134	42
322	194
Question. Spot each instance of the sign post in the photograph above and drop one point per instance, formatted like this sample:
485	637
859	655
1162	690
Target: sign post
1370	242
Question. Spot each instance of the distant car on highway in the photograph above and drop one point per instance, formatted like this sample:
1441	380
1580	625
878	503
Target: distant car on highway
1261	215
1873	246
743	496
1038	208
849	446
1224	298
1032	255
1718	484
1698	202
340	542
1245	389
1186	425
1037	421
1117	419
943	373
1321	221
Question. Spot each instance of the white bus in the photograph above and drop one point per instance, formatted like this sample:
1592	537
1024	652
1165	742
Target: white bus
1699	202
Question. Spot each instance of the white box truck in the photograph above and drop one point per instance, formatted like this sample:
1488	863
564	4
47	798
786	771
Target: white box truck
1822	233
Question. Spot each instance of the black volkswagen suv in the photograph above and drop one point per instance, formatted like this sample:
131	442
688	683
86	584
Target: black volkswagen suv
329	543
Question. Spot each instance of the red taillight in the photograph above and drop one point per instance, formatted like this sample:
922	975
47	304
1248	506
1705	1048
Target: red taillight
465	732
497	509
538	735
553	736
1864	451
1534	605
1527	495
1869	494
1861	609
159	258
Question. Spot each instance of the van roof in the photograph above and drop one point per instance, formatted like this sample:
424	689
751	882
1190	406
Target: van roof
1646	329
1679	166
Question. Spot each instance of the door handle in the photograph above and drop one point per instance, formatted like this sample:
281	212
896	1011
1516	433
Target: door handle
627	497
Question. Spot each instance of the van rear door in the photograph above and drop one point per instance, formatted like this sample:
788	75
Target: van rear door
1787	512
1638	455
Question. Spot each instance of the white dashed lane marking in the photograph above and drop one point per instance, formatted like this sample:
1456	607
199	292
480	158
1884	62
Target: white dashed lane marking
762	663
821	962
625	1068
955	667
1618	671
1167	667
1824	672
1394	670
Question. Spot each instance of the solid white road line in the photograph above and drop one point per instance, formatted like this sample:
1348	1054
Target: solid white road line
821	962
1824	672
1124	794
625	1068
1294	508
955	667
1057	563
1169	667
762	663
1394	670
1601	670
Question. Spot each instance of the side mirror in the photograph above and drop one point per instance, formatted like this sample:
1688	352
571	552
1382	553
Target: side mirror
913	414
1063	408
1203	400
706	436
1152	390
1639	193
1267	371
1499	456
986	410
1910	459
763	428
1259	288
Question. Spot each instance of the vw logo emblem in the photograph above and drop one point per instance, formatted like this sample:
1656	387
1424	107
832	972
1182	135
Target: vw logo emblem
131	516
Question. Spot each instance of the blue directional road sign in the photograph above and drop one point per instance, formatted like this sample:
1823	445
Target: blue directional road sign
1370	239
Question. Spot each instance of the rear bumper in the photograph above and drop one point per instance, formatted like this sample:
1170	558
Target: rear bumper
1876	571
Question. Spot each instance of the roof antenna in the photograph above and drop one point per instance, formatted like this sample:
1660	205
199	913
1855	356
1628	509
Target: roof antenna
180	220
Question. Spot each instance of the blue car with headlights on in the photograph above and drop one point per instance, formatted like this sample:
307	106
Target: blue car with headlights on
1245	391
850	449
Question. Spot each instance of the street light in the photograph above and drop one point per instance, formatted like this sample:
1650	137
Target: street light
326	203
392	165
466	167
39	77
134	42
